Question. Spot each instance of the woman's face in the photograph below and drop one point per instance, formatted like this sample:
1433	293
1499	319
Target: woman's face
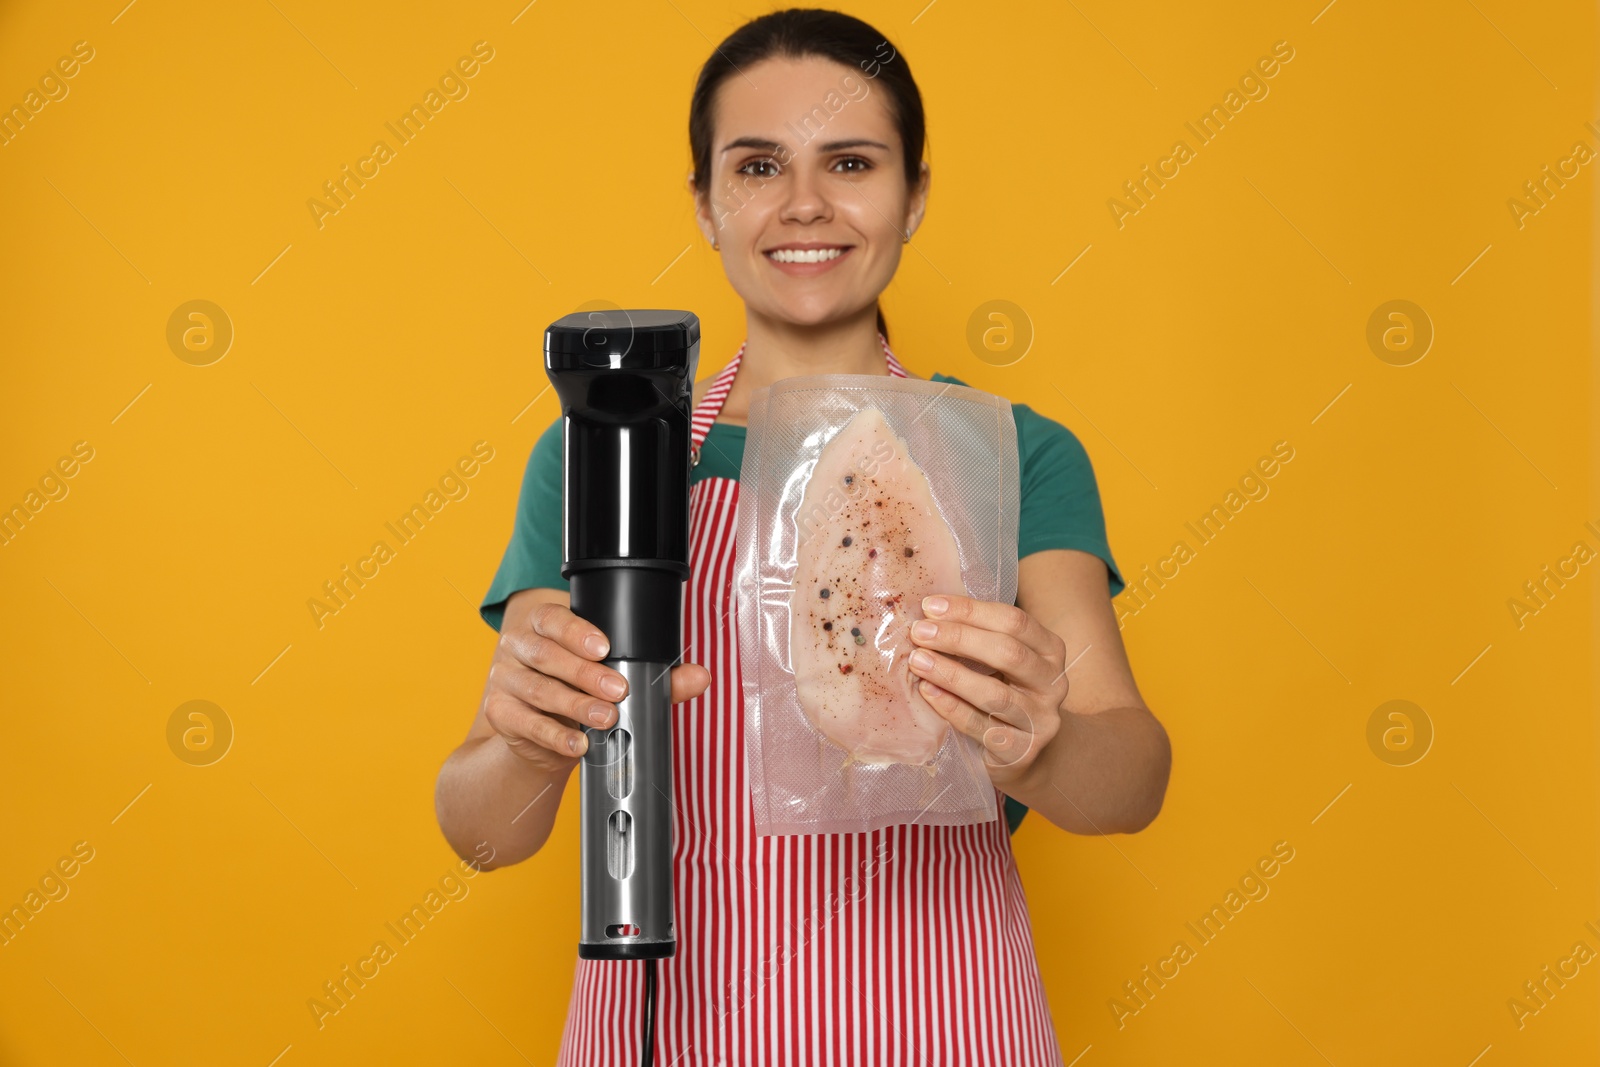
805	153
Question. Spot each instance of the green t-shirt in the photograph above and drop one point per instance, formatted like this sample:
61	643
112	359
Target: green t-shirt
1060	508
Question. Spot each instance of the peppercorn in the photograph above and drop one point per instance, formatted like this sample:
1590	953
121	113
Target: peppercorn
825	593
847	541
827	626
908	551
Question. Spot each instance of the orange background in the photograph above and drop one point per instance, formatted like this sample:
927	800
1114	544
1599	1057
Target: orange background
1229	313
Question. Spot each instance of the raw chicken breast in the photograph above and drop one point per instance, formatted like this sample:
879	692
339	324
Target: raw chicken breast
871	545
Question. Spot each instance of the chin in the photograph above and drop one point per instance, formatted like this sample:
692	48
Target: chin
805	312
812	317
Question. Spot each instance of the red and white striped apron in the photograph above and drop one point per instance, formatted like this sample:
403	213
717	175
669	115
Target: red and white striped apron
907	945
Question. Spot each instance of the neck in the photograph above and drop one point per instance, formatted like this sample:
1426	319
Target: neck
776	350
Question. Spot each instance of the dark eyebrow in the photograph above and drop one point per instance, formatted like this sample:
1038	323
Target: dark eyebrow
751	142
857	142
830	146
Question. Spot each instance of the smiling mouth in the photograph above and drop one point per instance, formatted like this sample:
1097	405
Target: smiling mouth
806	255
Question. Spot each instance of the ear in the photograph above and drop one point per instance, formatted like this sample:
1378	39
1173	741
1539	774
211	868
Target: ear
702	210
918	203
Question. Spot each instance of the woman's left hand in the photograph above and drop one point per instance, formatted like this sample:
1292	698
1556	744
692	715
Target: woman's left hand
1014	714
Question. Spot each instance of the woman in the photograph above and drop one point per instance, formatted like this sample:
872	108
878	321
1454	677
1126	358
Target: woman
910	944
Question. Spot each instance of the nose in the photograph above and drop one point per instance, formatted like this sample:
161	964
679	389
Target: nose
806	202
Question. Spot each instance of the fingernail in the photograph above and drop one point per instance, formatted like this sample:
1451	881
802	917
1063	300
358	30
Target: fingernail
599	714
934	605
922	629
576	744
922	660
930	689
597	645
614	686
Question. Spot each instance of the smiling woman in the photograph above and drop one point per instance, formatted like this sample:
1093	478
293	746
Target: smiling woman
911	942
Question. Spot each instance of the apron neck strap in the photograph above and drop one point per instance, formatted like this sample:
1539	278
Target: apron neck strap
710	406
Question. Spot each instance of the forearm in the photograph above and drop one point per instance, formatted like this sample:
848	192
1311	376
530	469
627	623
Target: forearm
1103	773
487	793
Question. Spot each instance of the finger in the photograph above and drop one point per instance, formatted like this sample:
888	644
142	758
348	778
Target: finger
1003	651
549	694
689	681
552	648
984	692
578	634
523	728
1003	744
1001	618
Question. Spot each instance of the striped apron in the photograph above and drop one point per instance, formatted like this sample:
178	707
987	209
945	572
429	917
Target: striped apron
906	945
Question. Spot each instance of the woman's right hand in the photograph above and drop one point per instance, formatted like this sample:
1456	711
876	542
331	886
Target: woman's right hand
547	679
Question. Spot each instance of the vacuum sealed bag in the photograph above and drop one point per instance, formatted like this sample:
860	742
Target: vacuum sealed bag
859	495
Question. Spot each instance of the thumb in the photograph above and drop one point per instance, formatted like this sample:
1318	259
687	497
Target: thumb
689	681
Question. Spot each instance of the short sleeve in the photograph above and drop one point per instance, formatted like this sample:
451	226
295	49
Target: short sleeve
1016	811
533	558
1060	498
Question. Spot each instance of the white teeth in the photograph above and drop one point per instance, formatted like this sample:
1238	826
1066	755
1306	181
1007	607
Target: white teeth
812	255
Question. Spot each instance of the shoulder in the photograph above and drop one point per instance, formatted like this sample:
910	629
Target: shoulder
1039	437
544	460
547	449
